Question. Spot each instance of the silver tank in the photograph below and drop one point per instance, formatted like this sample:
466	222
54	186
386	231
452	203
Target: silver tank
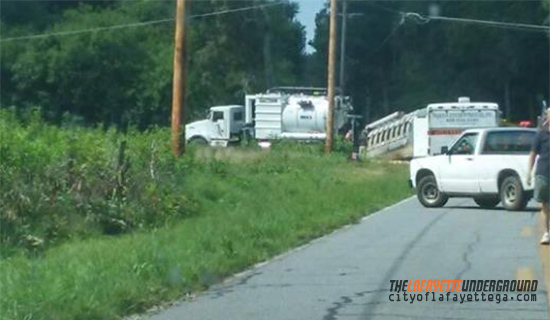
305	114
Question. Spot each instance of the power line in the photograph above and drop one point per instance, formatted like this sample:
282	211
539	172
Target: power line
74	32
425	19
506	25
238	10
136	24
390	35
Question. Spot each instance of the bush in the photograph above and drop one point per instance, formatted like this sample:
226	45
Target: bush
59	183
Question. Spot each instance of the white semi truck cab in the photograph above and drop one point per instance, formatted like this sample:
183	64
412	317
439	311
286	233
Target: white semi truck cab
223	124
280	113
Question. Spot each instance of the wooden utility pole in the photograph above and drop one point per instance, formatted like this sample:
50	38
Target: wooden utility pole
331	78
178	84
342	81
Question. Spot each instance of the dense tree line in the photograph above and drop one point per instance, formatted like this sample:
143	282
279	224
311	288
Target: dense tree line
123	76
403	64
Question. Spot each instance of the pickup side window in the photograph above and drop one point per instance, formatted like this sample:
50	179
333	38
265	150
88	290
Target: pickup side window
466	145
508	142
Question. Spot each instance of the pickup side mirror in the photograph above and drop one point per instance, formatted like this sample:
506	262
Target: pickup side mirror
444	150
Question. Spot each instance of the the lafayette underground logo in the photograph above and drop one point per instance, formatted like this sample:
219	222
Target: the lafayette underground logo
462	291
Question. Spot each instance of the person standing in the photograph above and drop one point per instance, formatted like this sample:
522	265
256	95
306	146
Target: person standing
541	148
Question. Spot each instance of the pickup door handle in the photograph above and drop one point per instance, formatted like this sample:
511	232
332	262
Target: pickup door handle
470	159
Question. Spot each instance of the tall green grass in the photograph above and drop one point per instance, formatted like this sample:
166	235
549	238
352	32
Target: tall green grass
246	206
58	184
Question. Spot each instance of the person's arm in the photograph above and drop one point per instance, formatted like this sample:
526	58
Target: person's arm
532	158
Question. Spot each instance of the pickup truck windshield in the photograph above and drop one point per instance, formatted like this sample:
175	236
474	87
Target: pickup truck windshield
508	142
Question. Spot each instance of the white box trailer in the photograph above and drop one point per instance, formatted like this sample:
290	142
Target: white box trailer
425	131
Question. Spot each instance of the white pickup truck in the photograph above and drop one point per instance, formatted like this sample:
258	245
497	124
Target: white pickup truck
488	165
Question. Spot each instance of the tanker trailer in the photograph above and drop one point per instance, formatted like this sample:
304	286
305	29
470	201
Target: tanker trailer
280	113
294	113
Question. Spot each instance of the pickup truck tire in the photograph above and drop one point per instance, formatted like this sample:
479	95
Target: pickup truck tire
512	195
428	193
487	202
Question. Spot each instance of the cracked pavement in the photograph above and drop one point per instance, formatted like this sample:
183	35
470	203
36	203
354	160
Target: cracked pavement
346	275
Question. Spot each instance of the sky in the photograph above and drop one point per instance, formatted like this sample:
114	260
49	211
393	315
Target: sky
306	16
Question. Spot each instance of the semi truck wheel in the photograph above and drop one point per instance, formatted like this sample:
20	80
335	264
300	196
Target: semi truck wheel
487	202
512	195
428	193
198	141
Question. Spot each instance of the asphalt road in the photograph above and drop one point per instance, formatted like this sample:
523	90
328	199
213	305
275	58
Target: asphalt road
347	274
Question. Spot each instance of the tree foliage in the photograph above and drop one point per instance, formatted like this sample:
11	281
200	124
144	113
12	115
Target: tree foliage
394	64
123	76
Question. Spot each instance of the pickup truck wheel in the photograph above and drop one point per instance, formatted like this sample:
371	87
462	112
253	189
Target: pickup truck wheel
487	202
428	193
512	195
